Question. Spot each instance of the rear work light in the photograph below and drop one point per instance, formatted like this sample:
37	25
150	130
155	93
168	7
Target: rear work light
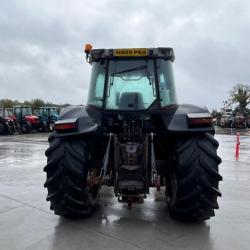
66	125
200	119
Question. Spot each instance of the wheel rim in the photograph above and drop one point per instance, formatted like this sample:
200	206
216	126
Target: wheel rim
93	187
24	129
51	126
172	187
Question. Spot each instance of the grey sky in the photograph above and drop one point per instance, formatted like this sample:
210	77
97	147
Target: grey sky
41	42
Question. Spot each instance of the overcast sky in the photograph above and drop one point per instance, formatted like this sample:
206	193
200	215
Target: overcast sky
41	42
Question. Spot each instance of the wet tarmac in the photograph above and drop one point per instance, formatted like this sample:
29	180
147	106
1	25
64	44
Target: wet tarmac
27	223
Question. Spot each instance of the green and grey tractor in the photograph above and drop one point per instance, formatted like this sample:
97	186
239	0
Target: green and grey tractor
49	115
133	135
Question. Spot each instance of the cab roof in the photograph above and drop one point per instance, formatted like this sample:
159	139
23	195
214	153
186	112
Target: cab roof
22	106
132	53
48	107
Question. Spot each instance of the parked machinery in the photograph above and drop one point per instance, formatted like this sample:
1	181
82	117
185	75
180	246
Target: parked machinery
227	121
8	122
49	115
233	119
240	120
133	135
26	120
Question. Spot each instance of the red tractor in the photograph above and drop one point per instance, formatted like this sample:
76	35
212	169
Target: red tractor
27	121
8	122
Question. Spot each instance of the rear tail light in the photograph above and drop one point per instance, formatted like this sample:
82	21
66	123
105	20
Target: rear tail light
65	125
200	119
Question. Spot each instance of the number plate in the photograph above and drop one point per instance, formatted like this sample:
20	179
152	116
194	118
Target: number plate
130	52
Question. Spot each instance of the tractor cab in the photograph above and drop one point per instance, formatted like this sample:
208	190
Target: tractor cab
50	116
6	112
49	112
8	121
3	123
23	112
131	79
25	118
2	112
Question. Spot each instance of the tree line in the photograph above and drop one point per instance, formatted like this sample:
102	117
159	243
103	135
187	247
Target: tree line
239	97
34	103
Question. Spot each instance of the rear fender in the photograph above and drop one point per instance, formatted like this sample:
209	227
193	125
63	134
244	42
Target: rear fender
178	121
85	124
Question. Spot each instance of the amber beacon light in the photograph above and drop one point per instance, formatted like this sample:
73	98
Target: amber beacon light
87	48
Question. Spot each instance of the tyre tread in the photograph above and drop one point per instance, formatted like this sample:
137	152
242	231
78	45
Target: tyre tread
197	190
66	171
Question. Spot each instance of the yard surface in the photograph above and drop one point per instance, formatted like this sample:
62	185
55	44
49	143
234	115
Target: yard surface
27	223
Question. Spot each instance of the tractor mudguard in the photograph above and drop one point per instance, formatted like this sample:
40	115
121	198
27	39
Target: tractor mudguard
85	124
179	120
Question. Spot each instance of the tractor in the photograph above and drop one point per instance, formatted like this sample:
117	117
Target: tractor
227	121
8	122
26	120
133	136
49	115
240	120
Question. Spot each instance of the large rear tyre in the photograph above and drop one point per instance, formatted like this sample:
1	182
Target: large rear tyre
2	129
67	171
11	127
26	127
193	183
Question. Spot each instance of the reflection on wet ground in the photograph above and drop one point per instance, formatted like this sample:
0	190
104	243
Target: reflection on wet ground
27	223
